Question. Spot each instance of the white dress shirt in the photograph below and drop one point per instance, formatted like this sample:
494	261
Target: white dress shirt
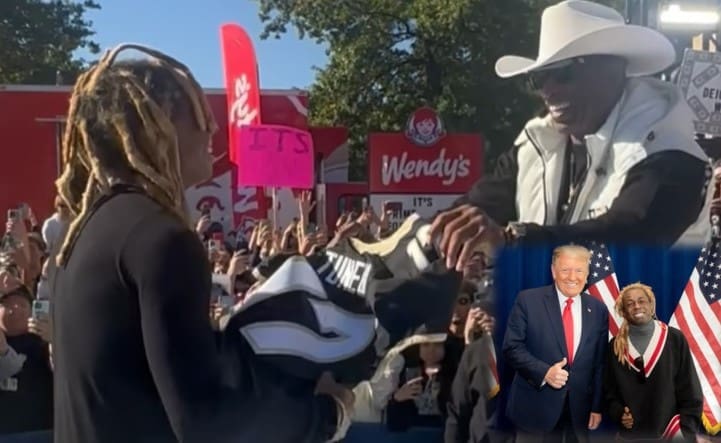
575	313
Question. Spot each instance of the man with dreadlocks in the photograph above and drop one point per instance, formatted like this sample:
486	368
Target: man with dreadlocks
652	389
135	356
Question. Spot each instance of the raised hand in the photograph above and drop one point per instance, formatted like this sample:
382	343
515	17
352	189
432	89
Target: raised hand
305	204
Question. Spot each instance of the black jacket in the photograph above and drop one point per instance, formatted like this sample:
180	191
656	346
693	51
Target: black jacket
661	197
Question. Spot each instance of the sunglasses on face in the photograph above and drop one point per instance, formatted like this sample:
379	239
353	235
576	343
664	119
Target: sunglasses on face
463	301
561	73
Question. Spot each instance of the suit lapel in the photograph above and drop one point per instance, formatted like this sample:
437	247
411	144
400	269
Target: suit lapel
556	322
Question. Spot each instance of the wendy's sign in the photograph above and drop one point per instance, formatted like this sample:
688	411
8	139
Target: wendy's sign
424	159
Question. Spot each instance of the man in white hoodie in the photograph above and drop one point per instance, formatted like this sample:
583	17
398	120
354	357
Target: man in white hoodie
613	159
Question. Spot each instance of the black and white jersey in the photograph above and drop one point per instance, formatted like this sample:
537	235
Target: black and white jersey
341	308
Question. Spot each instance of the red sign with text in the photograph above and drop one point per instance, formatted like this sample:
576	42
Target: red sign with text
424	159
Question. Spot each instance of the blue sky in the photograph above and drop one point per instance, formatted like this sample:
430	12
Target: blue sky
189	31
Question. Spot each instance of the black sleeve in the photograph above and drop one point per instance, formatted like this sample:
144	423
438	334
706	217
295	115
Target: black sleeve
255	259
661	197
689	397
400	414
167	265
518	357
614	402
495	193
462	402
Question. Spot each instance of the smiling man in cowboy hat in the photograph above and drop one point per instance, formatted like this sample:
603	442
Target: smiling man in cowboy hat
614	158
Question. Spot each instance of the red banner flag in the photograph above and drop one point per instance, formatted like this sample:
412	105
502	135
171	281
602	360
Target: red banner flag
243	95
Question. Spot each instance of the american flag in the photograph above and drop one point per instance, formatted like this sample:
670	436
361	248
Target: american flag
698	316
603	285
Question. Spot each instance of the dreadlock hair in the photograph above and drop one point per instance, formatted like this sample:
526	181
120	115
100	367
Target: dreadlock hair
620	344
120	121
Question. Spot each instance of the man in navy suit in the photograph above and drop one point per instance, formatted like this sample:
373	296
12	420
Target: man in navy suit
555	341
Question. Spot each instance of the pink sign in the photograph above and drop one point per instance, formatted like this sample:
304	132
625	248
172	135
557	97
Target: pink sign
274	155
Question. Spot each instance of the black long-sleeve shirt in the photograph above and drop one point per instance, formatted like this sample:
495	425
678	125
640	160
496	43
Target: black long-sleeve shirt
660	198
135	356
467	420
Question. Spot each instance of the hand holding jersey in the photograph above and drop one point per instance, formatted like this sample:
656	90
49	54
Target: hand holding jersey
340	309
462	231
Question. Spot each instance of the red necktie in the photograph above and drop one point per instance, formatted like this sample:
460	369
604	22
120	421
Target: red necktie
568	328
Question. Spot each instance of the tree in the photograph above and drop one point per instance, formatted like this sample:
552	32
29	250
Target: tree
388	57
38	39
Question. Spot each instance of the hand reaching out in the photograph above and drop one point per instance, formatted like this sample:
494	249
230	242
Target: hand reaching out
342	220
386	215
367	217
307	244
31	217
305	204
203	224
462	231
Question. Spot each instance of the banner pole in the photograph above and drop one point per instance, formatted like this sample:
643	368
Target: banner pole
274	213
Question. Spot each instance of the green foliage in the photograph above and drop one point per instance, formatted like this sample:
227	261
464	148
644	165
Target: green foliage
38	38
388	57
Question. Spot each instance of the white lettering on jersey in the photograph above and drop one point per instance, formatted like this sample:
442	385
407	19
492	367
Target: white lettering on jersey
347	273
353	334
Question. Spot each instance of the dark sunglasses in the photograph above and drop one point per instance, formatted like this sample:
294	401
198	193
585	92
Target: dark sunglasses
463	301
641	370
561	73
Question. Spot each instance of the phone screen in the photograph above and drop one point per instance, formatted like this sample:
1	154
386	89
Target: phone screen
41	309
226	300
412	373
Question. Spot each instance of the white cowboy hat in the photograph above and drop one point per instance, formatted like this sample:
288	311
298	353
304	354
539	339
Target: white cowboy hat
575	28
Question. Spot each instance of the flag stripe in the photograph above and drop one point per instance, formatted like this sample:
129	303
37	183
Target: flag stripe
704	367
716	309
604	292
704	319
709	382
603	284
698	316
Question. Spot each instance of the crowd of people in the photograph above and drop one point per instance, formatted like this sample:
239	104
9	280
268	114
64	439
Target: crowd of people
26	365
115	312
447	384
